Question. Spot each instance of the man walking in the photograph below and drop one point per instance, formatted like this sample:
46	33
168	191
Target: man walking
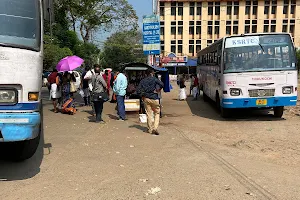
119	88
148	89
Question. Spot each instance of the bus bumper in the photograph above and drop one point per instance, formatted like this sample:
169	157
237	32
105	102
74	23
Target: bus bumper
252	102
19	126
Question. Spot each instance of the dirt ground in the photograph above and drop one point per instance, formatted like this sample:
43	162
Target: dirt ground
198	155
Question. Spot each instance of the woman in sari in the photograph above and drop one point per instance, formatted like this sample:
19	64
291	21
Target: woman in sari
68	106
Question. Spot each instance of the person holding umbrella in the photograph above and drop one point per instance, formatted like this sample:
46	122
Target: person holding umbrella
67	64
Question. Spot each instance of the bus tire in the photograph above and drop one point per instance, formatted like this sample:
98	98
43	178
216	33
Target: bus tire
225	112
24	150
278	111
205	97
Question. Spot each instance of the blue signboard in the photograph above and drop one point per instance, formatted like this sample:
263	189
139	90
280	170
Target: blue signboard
151	35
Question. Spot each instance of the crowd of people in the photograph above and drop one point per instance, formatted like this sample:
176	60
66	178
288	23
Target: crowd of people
95	88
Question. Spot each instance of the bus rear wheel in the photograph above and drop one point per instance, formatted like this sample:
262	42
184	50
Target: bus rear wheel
205	97
278	111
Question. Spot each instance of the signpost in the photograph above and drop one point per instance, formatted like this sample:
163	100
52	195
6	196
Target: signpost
151	35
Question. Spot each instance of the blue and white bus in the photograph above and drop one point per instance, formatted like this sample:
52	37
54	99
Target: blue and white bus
21	63
250	71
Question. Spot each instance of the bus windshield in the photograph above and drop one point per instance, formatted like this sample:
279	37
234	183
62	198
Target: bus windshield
259	53
20	24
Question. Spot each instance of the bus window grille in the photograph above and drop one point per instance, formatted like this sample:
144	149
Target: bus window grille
262	93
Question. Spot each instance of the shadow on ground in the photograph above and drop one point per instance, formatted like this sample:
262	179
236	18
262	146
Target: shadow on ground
209	110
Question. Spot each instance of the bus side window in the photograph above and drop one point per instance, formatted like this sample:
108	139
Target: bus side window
219	55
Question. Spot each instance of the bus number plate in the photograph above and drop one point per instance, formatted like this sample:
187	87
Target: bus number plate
261	102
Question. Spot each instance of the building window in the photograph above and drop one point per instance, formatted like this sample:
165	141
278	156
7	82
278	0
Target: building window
217	8
198	48
236	8
179	48
254	28
285	6
173	41
247	29
198	30
191	30
273	28
199	8
180	30
292	29
162	30
274	7
235	30
255	4
162	11
191	49
173	8
173	48
229	8
267	7
284	28
162	48
217	30
210	8
192	8
293	7
228	30
266	28
173	30
248	7
180	9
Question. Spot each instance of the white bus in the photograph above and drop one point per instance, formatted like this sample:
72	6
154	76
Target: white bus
249	71
21	62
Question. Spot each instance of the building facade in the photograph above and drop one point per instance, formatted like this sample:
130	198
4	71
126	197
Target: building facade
188	26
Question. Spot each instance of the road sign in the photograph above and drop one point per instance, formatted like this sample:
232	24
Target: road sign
151	35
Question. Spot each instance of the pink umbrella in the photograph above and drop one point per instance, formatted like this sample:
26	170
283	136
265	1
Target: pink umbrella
69	63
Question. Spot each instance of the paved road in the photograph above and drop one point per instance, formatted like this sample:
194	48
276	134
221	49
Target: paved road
197	156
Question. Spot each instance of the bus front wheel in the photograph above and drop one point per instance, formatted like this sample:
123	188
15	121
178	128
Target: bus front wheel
24	150
278	111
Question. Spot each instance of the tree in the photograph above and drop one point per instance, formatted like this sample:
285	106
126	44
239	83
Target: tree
53	53
122	47
93	15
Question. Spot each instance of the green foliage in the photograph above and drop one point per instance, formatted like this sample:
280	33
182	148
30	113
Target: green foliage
53	54
122	47
92	15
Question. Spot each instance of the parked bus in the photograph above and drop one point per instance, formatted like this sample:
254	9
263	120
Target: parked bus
249	71
21	63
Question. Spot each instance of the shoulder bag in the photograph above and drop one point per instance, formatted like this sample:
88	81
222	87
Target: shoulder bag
102	96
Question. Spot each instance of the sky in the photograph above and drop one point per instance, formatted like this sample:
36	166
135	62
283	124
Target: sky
142	7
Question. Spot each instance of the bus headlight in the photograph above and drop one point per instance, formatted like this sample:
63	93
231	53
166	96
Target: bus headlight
235	92
8	96
287	90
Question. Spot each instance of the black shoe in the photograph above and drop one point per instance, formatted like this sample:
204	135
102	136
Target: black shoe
155	133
